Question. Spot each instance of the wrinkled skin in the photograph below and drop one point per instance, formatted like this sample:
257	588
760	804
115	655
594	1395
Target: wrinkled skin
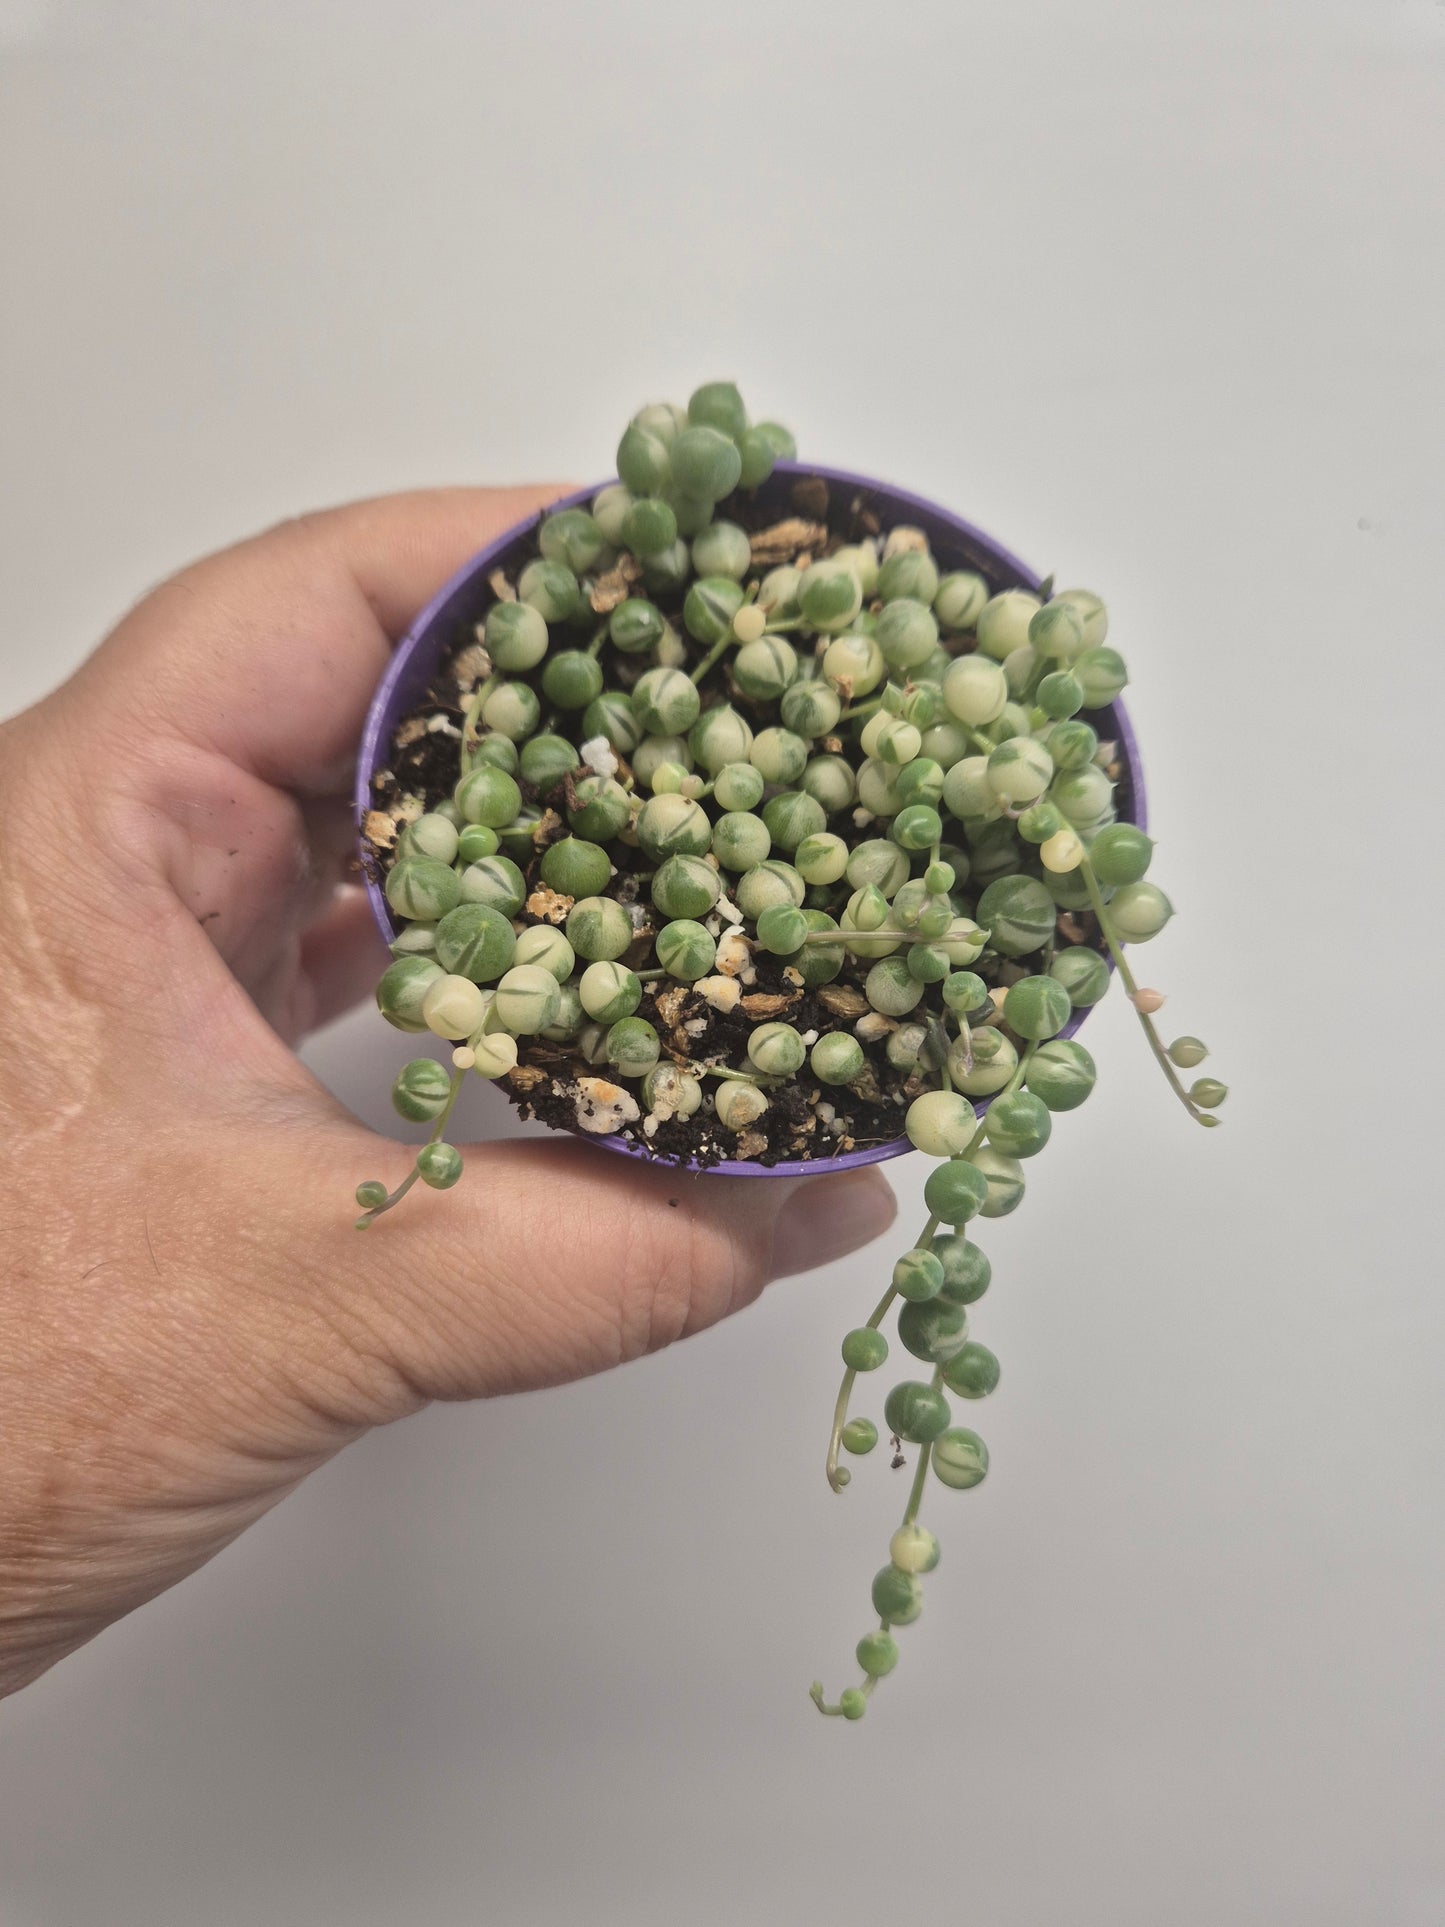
189	1323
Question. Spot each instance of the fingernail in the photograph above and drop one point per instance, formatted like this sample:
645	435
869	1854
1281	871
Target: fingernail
827	1217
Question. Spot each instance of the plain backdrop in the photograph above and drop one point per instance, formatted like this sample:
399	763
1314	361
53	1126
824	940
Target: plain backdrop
1155	294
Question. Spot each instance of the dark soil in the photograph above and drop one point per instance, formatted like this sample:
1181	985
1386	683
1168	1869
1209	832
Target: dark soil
867	1113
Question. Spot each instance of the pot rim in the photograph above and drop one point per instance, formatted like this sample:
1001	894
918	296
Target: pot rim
432	631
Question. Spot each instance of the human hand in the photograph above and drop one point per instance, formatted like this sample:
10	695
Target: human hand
188	1322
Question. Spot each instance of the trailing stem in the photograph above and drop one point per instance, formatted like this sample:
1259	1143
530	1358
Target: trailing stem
1126	976
438	1132
467	754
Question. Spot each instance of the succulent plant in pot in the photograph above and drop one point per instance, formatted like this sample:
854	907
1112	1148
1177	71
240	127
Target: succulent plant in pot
762	818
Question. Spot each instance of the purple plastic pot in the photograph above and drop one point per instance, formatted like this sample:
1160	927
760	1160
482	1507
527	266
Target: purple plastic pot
450	614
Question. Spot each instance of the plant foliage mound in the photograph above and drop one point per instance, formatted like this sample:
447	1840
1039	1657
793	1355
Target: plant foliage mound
747	827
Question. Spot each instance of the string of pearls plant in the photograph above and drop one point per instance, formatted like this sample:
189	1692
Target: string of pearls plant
866	775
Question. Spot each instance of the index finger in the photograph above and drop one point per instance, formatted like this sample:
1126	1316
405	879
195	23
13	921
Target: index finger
269	652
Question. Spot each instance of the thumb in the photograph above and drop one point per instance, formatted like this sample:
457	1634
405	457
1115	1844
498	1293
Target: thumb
268	653
553	1260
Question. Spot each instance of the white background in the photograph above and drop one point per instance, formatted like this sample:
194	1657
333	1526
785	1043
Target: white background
1155	294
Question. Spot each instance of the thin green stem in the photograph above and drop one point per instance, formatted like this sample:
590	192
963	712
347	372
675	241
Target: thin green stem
840	1413
880	1310
840	1419
924	1242
472	717
1036	675
915	1496
1126	977
865	1685
845	1390
1021	1070
392	1199
980	1128
886	931
860	709
910	1515
842	937
718	650
438	1129
965	1037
